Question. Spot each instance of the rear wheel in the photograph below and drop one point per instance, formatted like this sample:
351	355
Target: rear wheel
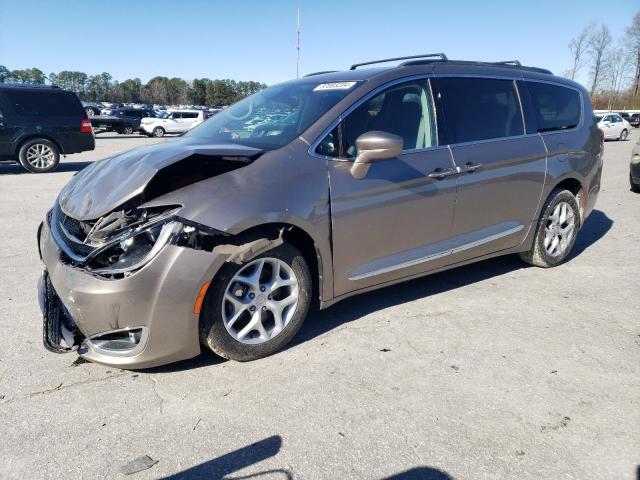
158	132
634	186
39	155
128	130
255	309
556	230
623	135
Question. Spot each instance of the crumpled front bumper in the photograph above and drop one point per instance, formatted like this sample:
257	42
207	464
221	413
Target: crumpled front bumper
158	299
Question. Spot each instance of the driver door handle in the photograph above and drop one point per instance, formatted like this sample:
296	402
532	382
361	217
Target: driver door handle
440	173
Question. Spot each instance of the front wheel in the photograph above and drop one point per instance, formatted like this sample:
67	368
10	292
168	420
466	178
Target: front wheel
158	132
556	230
623	135
255	309
39	155
128	130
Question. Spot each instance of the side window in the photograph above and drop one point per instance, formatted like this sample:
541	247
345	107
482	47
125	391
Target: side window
556	107
189	115
176	115
476	109
404	110
44	103
617	118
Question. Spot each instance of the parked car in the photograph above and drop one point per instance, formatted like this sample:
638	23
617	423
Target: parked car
634	168
613	126
92	108
634	120
171	121
223	237
123	121
38	124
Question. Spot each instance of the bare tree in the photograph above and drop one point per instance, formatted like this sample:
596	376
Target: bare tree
615	72
633	35
598	44
578	48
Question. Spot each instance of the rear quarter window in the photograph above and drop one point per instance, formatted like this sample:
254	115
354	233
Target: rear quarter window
555	107
46	103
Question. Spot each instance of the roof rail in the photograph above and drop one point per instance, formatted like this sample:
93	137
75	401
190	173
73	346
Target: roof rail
27	85
441	56
320	73
509	62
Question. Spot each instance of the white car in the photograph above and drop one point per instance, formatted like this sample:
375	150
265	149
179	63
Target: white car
171	121
613	126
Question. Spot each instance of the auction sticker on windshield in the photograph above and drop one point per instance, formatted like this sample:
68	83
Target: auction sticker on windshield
334	86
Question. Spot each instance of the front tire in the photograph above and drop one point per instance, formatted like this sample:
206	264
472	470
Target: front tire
128	130
158	132
623	135
255	309
556	230
39	155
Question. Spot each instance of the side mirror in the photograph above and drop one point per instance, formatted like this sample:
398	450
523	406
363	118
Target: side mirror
373	146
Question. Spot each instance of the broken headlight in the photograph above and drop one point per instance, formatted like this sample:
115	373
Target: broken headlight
135	250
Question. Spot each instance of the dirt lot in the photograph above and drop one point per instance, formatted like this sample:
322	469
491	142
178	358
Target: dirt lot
490	371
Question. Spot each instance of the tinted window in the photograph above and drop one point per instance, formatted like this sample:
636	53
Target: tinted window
176	115
189	115
477	109
45	103
555	107
404	110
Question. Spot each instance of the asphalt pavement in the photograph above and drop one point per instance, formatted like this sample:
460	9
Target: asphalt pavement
495	370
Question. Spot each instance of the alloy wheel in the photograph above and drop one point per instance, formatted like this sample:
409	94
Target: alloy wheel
559	229
40	156
260	300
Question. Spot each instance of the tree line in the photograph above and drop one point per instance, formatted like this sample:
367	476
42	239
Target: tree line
613	65
160	90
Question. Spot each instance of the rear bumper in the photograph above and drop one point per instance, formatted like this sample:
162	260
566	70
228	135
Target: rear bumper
78	142
157	300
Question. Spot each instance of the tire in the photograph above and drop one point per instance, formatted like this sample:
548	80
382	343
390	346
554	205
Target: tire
90	112
158	132
128	130
634	186
623	135
39	155
540	254
215	335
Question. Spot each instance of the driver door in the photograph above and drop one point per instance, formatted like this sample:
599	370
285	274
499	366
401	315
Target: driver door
396	221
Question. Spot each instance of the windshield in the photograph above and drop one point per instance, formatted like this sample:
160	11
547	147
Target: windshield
272	117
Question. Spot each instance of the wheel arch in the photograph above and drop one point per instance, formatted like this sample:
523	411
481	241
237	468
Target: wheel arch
300	239
20	143
575	186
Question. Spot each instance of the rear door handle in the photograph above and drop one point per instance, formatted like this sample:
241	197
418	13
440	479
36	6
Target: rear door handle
440	173
469	167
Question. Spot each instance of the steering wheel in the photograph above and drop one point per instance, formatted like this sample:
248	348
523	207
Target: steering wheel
242	117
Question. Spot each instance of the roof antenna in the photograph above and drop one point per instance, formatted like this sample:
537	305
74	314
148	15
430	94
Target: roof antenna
298	41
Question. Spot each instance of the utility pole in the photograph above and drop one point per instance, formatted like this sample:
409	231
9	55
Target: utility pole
298	43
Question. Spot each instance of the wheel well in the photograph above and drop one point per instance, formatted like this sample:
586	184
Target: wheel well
296	237
32	137
575	187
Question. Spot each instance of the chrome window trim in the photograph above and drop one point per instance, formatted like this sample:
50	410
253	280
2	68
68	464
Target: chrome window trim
435	256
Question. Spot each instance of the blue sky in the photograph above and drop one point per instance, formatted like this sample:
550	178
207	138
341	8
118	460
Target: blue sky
255	40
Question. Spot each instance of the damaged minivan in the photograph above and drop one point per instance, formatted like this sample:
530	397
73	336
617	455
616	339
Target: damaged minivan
312	191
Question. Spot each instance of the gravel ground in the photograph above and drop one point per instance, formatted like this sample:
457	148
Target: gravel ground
490	371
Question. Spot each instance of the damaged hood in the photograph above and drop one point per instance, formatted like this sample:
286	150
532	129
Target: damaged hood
104	185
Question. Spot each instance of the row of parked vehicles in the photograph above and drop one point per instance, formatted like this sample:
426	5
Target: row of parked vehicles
148	122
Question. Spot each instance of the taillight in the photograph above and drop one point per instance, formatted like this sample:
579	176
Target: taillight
85	126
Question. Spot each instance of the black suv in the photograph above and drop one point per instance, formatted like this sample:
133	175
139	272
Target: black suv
39	123
124	120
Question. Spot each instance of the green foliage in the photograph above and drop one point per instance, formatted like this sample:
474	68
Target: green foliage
162	90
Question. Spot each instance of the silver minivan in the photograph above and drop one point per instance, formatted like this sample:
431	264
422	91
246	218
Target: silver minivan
314	190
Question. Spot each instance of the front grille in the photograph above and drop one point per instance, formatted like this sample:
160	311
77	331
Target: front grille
69	235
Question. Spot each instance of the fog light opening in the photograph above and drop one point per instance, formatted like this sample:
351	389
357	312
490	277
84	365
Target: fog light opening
119	342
